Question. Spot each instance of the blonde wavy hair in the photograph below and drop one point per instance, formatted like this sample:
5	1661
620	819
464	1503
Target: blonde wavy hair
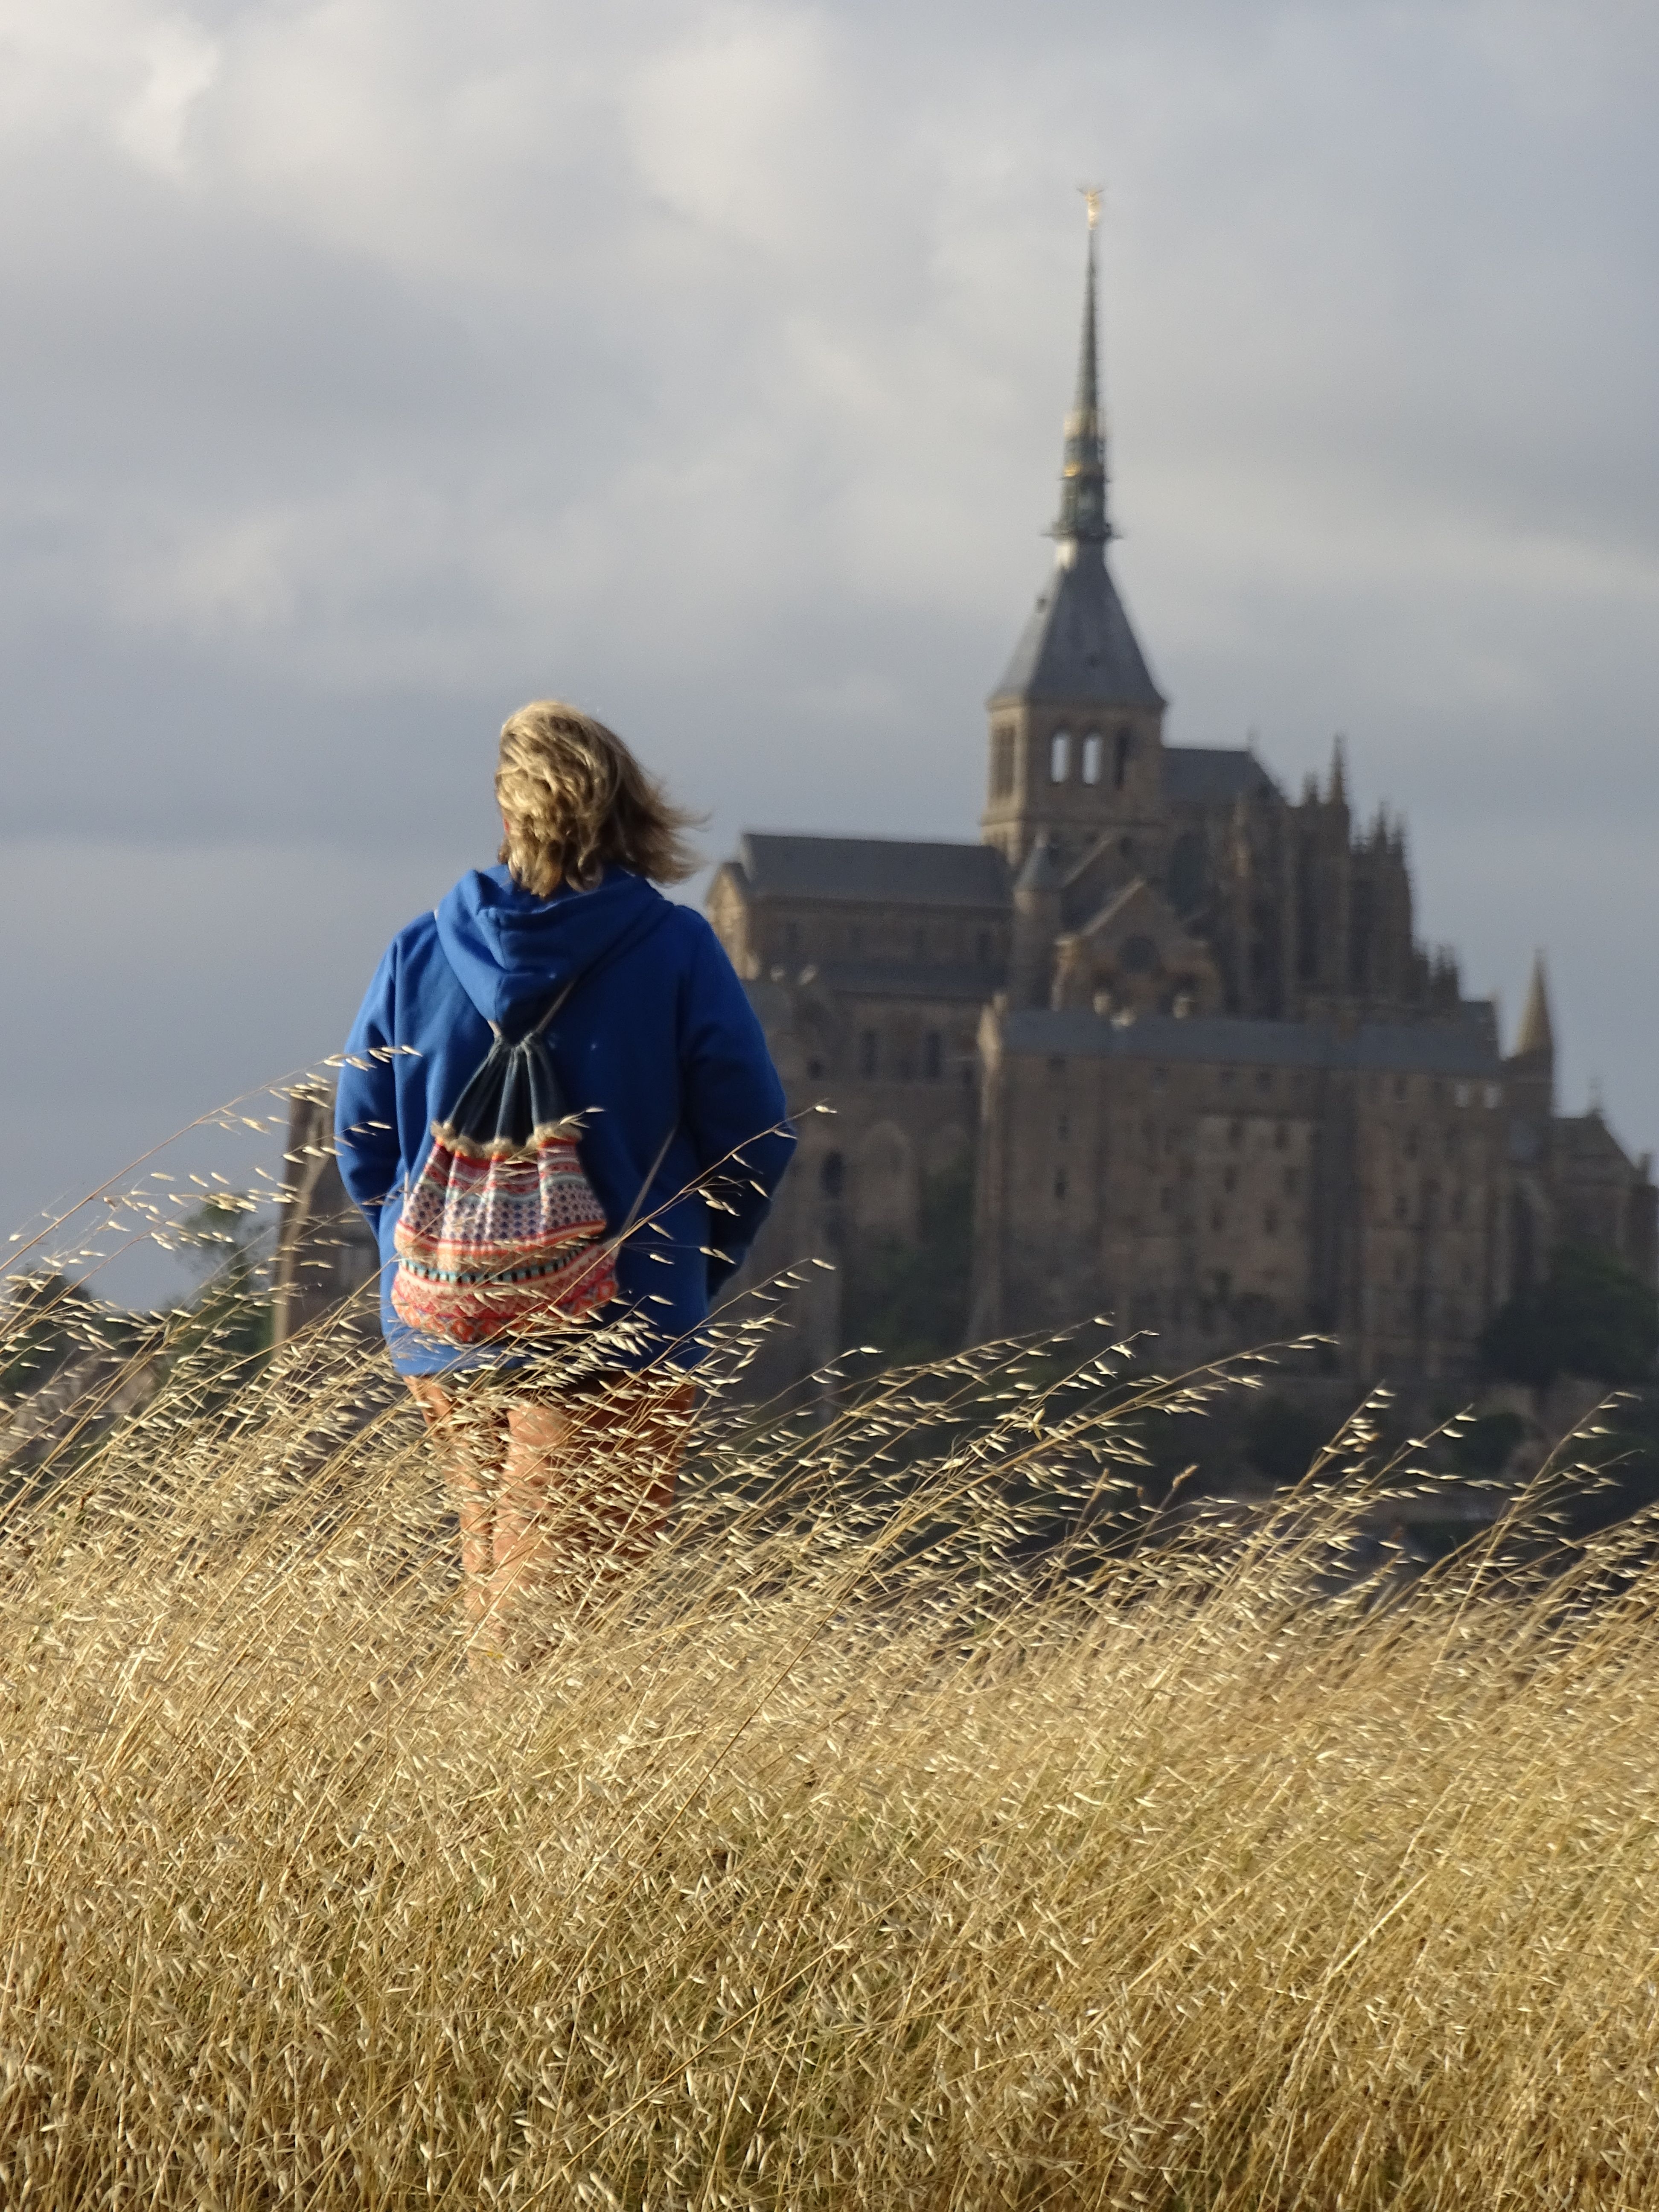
573	797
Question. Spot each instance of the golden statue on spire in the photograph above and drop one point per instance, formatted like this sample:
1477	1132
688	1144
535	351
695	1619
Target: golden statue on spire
1092	196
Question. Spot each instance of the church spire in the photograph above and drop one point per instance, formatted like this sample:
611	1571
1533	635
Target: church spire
1082	518
1077	655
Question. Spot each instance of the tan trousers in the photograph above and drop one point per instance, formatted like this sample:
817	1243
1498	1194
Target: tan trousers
550	1487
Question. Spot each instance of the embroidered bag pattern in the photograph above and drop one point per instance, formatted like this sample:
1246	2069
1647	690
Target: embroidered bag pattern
502	1234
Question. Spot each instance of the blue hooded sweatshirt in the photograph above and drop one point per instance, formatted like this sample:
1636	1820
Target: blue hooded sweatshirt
656	1045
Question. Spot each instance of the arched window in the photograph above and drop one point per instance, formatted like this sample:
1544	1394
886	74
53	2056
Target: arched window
1059	757
833	1175
1123	747
1092	749
867	1052
932	1057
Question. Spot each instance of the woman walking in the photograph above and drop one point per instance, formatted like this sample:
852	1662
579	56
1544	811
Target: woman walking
559	1115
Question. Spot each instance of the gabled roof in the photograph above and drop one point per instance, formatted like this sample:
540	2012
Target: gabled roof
874	870
1122	902
1077	645
1213	775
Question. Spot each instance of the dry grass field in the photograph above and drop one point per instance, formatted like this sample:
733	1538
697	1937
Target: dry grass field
862	1849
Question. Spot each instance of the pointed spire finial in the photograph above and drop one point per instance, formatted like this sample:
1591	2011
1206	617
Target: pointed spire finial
1536	1035
1082	519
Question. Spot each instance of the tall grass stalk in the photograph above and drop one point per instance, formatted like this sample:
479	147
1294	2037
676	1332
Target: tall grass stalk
926	1824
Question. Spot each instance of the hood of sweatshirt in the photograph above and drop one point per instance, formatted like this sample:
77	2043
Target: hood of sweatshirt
513	952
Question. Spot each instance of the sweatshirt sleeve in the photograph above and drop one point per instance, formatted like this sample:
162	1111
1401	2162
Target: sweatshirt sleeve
365	1099
733	1106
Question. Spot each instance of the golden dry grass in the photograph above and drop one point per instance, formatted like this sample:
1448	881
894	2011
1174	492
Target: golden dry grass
854	1853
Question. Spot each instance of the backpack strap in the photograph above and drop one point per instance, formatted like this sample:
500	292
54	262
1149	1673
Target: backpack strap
546	1021
650	1177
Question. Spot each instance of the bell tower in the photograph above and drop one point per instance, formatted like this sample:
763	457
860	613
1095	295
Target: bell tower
1077	722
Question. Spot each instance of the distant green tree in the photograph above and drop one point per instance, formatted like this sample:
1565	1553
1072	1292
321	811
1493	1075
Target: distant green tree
1592	1315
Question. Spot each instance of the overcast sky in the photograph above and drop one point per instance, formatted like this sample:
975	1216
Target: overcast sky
370	366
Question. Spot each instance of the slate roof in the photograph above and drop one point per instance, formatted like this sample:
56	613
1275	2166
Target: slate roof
1213	775
1078	644
874	870
1466	1048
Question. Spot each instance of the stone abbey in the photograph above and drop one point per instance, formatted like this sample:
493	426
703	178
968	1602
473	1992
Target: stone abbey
1170	1026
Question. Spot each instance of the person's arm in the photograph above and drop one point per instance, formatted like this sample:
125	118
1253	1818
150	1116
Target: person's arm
366	1099
733	1105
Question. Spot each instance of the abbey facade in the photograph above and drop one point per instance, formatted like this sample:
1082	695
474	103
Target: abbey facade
1170	1026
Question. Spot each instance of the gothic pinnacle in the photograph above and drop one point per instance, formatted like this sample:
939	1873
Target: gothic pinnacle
1339	783
1537	1032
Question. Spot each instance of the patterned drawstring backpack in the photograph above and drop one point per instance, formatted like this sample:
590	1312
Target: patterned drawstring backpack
503	1231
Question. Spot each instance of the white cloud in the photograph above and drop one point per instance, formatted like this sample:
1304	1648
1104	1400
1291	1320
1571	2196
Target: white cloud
731	128
180	64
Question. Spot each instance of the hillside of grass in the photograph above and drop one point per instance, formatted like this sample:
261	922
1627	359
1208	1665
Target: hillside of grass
941	1818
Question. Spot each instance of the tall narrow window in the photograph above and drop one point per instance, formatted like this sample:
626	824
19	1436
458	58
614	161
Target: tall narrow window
932	1057
1059	757
867	1052
1092	749
1123	749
